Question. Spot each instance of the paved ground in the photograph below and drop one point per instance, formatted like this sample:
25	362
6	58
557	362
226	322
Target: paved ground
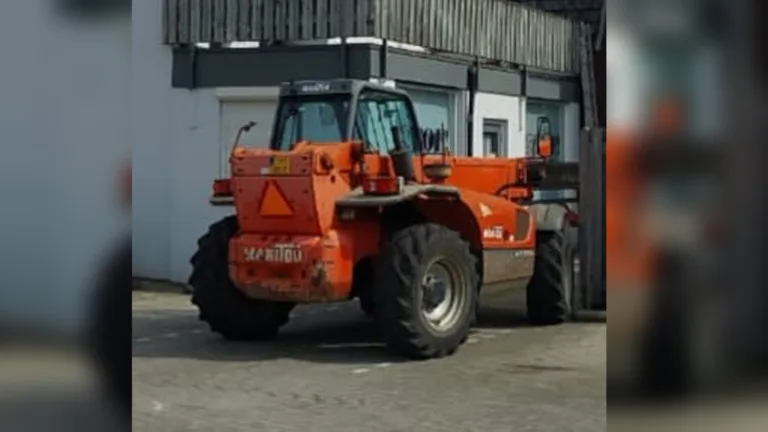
327	372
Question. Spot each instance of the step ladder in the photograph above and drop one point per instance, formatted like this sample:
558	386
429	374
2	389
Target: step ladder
587	69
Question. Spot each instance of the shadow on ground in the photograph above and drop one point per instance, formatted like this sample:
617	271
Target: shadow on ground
344	336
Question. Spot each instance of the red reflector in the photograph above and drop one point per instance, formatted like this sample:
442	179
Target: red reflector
222	187
381	185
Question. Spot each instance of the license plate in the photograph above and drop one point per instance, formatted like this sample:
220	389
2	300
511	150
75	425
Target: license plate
280	165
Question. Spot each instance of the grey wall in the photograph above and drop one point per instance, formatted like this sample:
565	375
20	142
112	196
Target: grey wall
224	67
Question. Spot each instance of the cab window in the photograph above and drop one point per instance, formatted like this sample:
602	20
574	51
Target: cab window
378	113
312	118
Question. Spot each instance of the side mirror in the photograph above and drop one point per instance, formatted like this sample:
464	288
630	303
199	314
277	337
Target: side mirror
543	138
544	147
244	129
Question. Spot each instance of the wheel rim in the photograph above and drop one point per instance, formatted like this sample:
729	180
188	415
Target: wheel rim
443	294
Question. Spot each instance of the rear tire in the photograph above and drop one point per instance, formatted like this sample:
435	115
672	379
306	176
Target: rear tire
549	292
366	305
226	310
410	297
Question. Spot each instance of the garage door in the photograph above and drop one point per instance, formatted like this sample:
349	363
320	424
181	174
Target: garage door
234	114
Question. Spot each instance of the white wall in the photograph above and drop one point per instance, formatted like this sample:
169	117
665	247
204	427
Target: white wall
152	138
196	155
194	163
180	144
500	107
175	137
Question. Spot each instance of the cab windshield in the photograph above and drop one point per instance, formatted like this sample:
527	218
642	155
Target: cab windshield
311	118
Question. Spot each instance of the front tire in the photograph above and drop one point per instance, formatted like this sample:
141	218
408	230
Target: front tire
426	291
362	286
227	310
549	292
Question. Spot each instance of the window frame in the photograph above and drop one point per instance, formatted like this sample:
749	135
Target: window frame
499	127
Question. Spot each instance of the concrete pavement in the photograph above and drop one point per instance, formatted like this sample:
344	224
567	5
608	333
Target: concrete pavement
329	372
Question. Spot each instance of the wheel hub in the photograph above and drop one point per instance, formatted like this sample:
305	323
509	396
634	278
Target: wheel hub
434	290
442	298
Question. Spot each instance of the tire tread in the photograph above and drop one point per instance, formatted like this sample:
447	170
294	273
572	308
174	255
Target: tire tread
221	305
399	266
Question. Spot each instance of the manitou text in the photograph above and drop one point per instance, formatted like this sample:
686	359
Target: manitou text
279	253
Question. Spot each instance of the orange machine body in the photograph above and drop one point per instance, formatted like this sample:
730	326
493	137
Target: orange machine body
296	244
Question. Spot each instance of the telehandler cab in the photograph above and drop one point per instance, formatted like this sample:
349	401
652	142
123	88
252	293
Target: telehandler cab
346	203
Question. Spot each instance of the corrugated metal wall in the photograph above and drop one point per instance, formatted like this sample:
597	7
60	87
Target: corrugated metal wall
493	29
588	11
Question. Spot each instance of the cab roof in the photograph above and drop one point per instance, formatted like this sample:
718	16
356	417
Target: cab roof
335	86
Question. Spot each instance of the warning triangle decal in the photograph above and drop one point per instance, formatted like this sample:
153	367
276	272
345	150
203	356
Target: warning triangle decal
273	202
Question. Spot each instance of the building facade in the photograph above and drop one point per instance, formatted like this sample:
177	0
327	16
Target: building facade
189	102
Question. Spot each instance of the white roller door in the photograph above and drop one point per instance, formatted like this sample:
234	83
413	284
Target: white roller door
234	114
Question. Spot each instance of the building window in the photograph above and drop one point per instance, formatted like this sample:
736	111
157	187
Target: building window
494	138
553	112
435	111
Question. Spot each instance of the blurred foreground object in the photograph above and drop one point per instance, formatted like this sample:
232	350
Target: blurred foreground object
110	327
65	111
680	293
110	319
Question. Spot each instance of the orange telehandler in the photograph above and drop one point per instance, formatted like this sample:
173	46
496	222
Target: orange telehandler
347	203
